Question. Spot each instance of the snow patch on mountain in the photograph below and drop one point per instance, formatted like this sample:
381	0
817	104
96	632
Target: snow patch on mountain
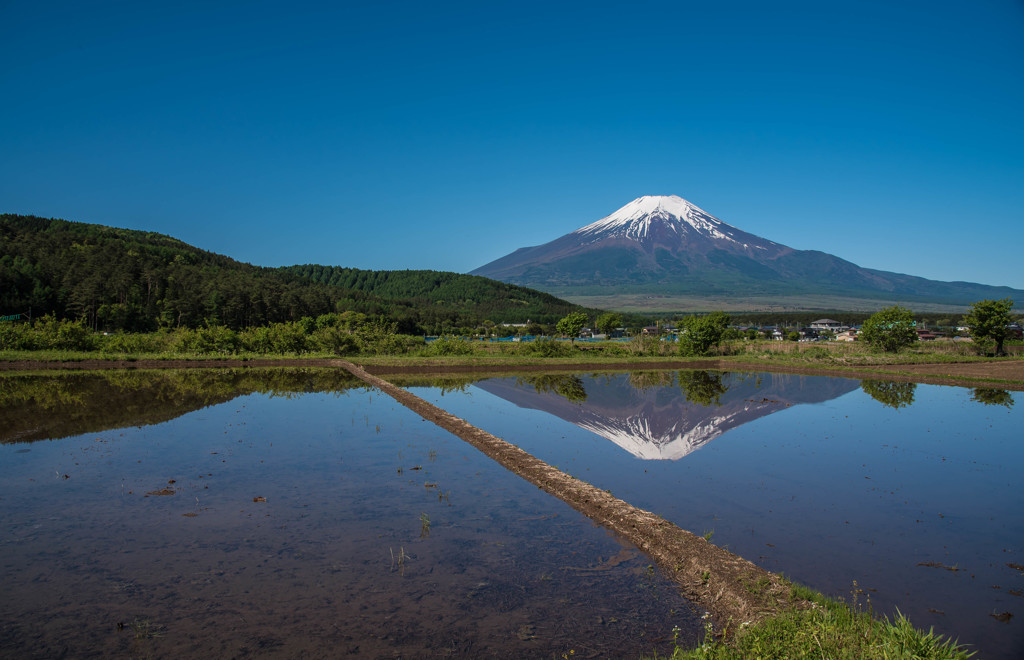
636	219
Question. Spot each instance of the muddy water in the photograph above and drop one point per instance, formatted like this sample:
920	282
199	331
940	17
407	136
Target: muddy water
286	522
893	495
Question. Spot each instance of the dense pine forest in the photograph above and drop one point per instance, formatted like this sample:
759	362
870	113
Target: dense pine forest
437	294
121	279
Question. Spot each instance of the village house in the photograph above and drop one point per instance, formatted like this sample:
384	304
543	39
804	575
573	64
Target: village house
830	325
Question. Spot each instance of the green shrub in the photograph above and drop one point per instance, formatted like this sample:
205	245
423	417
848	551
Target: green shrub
18	337
289	337
611	349
379	338
546	347
135	342
215	339
64	335
257	340
449	345
336	340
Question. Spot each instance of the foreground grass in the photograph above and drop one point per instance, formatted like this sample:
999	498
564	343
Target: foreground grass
827	629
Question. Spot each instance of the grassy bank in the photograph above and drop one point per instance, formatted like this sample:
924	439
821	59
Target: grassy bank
828	628
935	362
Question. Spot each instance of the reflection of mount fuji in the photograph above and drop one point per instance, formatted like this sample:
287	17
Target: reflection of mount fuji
659	415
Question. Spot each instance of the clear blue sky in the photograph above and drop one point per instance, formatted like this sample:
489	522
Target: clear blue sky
443	135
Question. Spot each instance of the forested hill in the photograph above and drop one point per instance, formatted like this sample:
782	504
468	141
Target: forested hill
122	279
495	301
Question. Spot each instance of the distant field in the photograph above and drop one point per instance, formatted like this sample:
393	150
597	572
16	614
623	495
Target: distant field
648	303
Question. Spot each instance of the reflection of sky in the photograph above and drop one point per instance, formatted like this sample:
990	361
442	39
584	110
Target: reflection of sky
842	490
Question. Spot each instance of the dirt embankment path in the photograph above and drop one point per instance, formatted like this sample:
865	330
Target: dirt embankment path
732	589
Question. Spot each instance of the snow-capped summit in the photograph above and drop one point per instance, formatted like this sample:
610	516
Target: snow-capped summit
636	219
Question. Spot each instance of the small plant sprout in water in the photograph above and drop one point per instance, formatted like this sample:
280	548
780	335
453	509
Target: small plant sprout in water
145	629
855	594
708	534
424	526
398	561
432	455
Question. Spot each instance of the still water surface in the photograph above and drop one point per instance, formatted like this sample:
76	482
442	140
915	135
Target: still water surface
291	513
899	495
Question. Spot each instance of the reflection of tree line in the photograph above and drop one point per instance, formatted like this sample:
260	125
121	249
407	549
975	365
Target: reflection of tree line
704	388
570	387
36	407
992	397
446	383
898	395
890	393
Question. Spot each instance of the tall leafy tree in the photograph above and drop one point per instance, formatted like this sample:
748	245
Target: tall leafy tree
608	321
699	334
890	329
988	321
571	324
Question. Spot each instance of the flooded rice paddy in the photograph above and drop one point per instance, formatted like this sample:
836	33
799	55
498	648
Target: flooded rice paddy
892	495
291	513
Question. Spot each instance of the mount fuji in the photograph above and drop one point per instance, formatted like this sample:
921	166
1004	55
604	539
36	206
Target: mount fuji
666	247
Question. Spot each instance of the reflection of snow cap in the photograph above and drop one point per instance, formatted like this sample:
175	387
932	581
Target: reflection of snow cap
635	436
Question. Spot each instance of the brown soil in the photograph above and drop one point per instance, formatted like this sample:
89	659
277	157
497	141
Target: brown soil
732	589
1003	370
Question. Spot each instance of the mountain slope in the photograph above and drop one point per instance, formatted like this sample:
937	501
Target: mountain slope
666	245
122	279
